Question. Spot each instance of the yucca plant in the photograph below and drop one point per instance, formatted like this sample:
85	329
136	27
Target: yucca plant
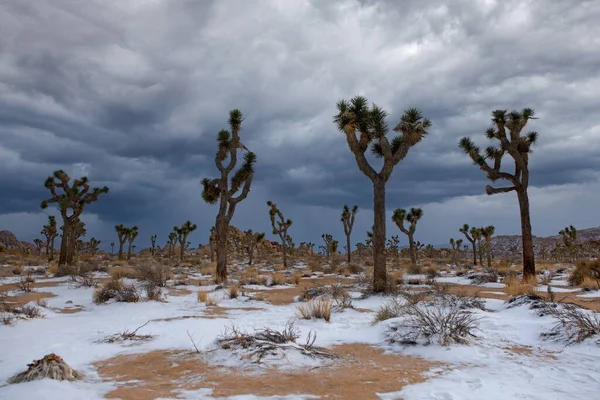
465	231
412	217
569	237
224	188
251	240
487	232
50	232
280	228
365	127
182	234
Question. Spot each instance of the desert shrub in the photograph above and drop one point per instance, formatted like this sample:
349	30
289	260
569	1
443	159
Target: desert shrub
398	277
414	269
431	273
585	269
26	283
277	279
117	273
211	301
573	325
413	297
202	295
315	265
489	275
433	324
53	268
118	291
514	287
460	300
151	271
318	308
391	309
17	270
233	292
296	278
153	292
313	292
28	311
354	268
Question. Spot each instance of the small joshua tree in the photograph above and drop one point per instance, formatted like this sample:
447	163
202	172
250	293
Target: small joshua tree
71	203
182	235
355	117
477	235
122	233
456	248
487	233
171	243
224	188
465	231
331	245
112	247
393	244
569	237
251	240
93	244
153	243
132	234
280	228
507	130
39	243
348	222
311	247
50	232
412	217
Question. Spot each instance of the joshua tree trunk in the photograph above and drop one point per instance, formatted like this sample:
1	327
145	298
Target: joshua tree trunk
129	250
222	234
379	267
348	249
51	257
413	253
527	238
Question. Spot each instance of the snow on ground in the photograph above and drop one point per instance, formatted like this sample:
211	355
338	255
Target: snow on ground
593	294
483	369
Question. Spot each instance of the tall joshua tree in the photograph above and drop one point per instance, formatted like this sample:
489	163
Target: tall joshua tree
132	233
94	243
355	117
507	130
348	222
465	231
488	232
412	217
251	240
224	188
153	243
280	228
182	235
50	232
71	203
122	233
569	237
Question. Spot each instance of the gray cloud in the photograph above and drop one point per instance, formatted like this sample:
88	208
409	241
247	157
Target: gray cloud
133	94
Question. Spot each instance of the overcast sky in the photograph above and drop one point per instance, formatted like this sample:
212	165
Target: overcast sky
133	92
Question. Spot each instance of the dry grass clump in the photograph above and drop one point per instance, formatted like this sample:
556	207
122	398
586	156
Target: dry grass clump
202	295
414	269
315	265
488	275
573	325
17	270
318	308
8	313
296	278
117	273
354	268
153	292
277	279
514	287
208	269
433	324
26	283
233	292
585	269
431	273
118	291
391	309
51	366
53	269
211	301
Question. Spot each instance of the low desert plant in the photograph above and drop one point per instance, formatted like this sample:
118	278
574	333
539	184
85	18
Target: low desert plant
118	291
514	287
391	309
233	292
153	292
277	279
433	324
211	301
26	283
117	273
574	324
51	366
151	271
414	269
318	308
202	295
585	269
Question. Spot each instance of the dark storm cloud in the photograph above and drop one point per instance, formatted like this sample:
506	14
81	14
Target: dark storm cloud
133	93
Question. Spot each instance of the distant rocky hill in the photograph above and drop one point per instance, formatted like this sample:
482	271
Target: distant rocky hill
506	246
9	241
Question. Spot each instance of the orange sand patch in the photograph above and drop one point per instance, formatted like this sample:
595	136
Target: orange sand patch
362	372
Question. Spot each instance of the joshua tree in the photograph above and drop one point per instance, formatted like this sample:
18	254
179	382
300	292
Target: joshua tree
93	244
477	235
507	130
465	231
412	217
131	235
331	245
153	243
50	232
456	248
77	231
280	228
418	247
355	117
122	233
39	243
488	232
348	222
251	240
112	247
70	203
393	244
569	237
311	247
182	235
223	188
172	241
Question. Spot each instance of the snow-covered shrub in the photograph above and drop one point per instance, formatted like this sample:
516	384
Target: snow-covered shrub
151	271
118	291
153	292
460	300
489	275
51	366
426	324
585	270
393	308
26	283
574	324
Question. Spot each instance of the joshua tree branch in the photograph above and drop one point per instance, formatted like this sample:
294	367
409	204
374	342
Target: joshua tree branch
491	190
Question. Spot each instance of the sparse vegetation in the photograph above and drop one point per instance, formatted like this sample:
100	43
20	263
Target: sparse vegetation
319	308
